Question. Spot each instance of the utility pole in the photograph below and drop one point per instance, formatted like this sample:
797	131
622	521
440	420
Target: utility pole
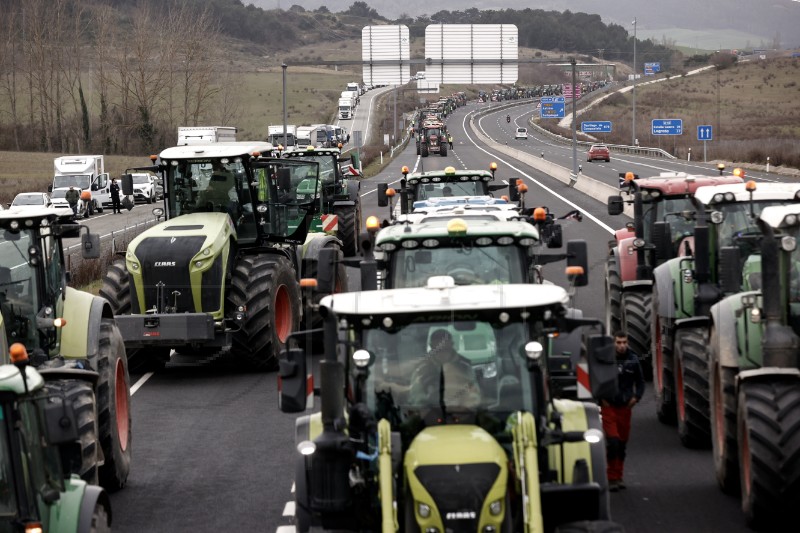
574	175
635	70
283	68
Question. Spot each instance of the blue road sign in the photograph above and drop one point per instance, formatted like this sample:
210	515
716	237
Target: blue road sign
650	69
599	126
705	133
552	107
667	126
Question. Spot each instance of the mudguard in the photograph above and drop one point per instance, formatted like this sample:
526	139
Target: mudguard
80	337
65	513
573	418
91	497
768	374
641	285
724	318
314	243
692	322
675	297
626	259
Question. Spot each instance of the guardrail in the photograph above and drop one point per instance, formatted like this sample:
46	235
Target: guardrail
109	243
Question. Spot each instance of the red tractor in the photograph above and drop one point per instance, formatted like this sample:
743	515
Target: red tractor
433	139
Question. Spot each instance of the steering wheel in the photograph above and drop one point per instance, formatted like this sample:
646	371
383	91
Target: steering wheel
463	275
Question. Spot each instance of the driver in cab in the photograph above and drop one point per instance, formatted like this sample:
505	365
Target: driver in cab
444	375
221	189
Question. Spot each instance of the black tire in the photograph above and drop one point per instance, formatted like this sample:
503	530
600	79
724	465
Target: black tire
768	418
349	221
722	387
116	289
80	395
443	150
613	296
691	387
113	407
267	287
663	380
423	149
637	309
590	526
418	148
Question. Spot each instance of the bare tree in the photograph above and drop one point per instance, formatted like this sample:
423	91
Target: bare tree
9	50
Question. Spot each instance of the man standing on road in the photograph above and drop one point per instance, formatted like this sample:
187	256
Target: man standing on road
450	140
72	196
616	412
115	196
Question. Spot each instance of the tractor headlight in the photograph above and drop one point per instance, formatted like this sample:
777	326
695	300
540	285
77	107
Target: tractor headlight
424	510
717	217
496	507
788	243
198	264
687	276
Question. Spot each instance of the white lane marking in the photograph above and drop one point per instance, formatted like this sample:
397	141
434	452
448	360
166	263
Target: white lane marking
286	529
416	164
288	509
540	184
142	380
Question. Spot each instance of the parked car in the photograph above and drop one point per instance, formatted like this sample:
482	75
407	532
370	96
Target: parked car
28	200
58	199
522	133
144	188
598	151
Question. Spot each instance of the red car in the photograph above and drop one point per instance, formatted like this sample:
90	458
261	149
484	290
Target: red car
598	151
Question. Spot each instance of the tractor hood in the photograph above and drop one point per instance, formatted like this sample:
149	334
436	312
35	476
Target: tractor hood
179	262
458	471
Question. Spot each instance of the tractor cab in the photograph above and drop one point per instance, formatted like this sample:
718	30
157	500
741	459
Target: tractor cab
451	424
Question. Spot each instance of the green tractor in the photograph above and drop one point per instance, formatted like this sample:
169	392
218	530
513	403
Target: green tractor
69	334
398	448
221	273
755	377
338	195
42	423
660	230
725	235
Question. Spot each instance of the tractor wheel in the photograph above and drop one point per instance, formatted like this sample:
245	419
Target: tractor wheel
116	289
267	287
691	387
613	296
101	521
663	380
418	148
443	150
81	396
769	445
423	150
637	308
590	526
722	388
349	228
113	407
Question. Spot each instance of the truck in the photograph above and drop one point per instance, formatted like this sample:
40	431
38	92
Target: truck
353	96
41	423
221	273
69	334
86	173
205	134
468	451
345	108
277	137
303	139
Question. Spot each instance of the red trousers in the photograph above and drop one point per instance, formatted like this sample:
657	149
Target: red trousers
617	428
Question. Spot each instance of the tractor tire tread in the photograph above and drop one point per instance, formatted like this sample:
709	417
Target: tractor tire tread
691	354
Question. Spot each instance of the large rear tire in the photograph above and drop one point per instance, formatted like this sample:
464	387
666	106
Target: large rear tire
769	447
691	387
80	395
637	309
663	381
613	296
267	287
113	407
722	387
423	150
349	220
443	150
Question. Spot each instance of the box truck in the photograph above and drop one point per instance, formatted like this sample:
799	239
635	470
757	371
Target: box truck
205	134
86	173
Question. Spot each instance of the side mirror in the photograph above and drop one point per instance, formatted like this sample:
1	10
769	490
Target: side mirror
292	378
127	184
578	255
284	179
662	240
513	193
60	421
555	236
602	366
383	199
730	273
327	265
127	203
50	188
90	246
68	230
615	205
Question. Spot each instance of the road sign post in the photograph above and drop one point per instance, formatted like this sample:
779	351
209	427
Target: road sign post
705	133
597	126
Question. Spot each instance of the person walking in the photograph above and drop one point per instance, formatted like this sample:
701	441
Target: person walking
450	140
72	196
616	412
115	205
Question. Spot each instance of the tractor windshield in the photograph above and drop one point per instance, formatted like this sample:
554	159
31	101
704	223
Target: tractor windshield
425	191
19	298
468	369
327	163
670	209
468	265
739	224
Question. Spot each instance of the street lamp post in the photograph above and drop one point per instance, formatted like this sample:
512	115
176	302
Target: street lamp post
285	143
574	175
633	127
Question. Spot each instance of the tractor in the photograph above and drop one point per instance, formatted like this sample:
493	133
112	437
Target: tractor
339	196
659	203
69	334
42	423
399	448
726	234
221	274
755	377
432	139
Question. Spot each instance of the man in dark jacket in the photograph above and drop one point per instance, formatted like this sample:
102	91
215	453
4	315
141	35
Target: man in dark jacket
115	196
72	196
616	412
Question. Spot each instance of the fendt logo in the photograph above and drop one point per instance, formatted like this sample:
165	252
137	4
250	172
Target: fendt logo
164	264
461	515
